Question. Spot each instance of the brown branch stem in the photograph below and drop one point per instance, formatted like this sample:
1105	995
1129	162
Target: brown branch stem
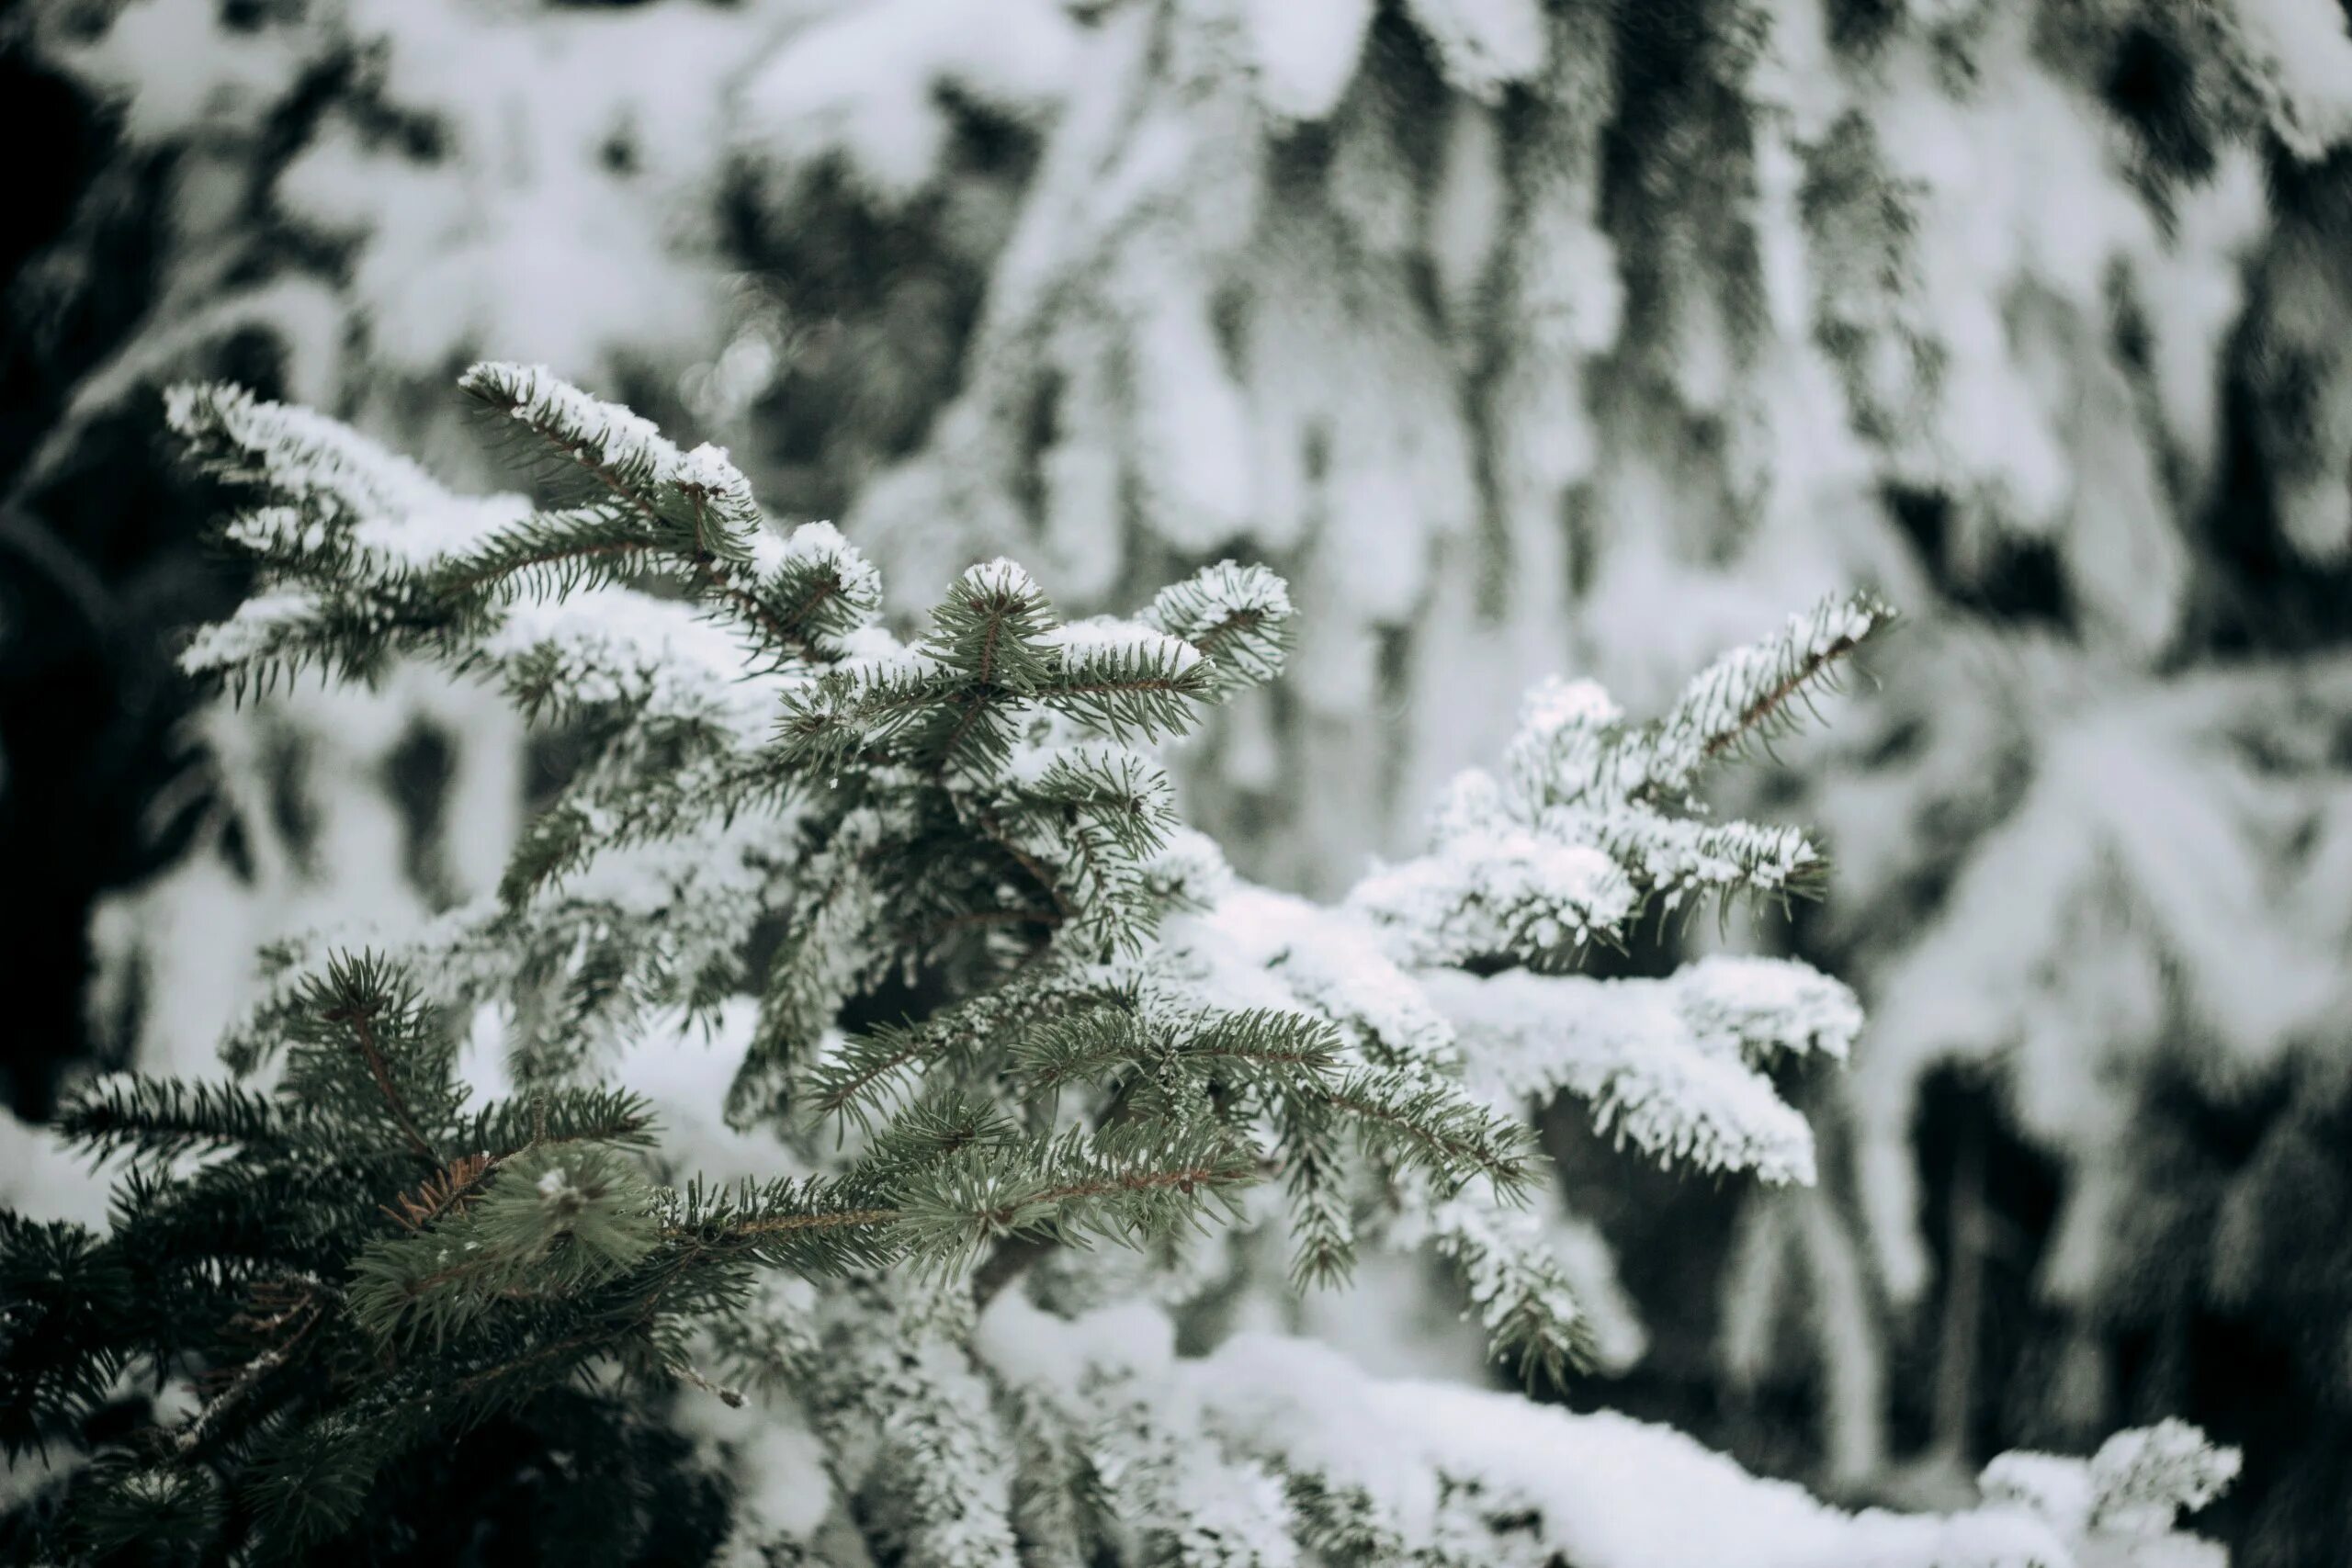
1765	706
380	1070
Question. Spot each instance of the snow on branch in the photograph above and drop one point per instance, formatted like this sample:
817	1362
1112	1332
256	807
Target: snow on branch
619	449
624	930
1574	747
1523	874
1664	1063
342	534
616	648
276	630
1535	1313
362	554
1121	677
1239	617
1484	46
1252	942
1408	1471
293	451
820	581
2134	1488
1765	1007
869	86
1748	693
1496	889
1204	1507
909	1402
647	506
1575	839
2300	61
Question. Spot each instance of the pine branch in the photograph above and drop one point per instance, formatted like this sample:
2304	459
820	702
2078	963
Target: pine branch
490	571
1109	1023
1125	680
1521	1291
1036	870
846	1083
941	1126
813	1226
613	449
163	1119
760	1230
1126	1183
67	1293
1261	1049
304	1312
712	526
1429	1128
1238	617
552	1118
1323	1251
363	1038
852	1079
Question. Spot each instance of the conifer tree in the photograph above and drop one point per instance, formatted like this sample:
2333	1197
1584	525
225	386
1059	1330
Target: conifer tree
1678	313
1022	1051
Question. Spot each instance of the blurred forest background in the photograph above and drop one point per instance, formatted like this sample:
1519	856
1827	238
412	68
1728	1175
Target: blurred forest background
1521	336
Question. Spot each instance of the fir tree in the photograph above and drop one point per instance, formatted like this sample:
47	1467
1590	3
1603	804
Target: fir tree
1106	1049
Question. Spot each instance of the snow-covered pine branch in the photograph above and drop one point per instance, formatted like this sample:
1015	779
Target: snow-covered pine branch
1669	1064
1577	840
1389	1472
1109	1046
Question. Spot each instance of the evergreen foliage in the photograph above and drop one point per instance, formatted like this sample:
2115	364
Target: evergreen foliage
1616	341
356	1261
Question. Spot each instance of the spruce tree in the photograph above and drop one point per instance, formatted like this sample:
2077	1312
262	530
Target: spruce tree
1024	1053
